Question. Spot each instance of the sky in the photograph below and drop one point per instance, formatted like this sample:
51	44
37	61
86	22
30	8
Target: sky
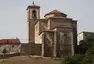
13	17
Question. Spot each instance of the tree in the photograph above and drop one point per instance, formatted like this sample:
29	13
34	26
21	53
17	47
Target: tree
85	53
73	59
84	45
89	55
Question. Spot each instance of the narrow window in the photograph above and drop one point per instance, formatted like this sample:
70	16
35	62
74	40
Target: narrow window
34	14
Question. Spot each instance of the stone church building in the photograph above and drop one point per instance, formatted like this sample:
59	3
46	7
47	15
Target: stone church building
56	33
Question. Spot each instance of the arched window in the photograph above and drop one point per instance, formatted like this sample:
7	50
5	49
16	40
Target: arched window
34	14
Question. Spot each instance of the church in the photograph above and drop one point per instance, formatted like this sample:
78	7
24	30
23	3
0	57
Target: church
56	33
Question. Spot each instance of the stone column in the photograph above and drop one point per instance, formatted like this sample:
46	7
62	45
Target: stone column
43	38
54	45
72	44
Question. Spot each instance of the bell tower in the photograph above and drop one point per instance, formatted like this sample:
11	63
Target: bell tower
33	13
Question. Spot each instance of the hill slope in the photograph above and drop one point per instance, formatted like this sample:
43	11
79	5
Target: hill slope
29	60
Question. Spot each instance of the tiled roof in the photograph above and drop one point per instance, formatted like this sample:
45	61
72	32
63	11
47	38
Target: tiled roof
10	41
55	12
33	6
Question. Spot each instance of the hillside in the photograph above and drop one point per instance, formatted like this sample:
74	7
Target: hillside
29	60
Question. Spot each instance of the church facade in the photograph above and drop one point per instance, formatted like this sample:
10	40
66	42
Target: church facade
56	33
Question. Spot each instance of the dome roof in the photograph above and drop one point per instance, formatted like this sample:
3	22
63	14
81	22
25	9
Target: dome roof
55	12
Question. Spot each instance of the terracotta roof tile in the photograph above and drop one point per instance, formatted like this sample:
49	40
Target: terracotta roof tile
54	12
10	41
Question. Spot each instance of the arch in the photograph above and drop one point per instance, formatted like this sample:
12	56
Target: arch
34	14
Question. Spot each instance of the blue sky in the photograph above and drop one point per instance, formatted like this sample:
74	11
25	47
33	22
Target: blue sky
13	15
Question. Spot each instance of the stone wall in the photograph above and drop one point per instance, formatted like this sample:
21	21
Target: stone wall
10	48
30	49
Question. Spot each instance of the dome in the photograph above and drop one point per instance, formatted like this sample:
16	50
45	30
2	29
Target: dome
56	13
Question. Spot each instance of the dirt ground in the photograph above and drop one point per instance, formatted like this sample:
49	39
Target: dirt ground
30	60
